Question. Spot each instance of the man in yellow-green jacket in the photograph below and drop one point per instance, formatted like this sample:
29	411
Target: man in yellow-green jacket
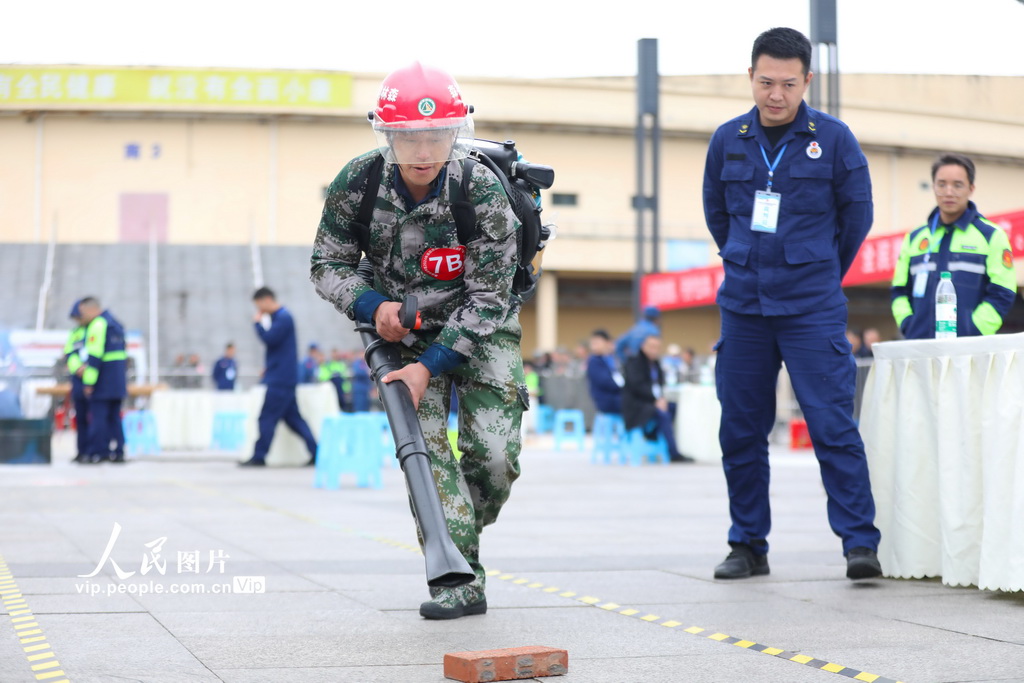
956	239
105	380
336	372
74	358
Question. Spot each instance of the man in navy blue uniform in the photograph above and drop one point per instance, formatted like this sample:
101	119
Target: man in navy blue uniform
225	370
787	198
280	374
604	377
104	379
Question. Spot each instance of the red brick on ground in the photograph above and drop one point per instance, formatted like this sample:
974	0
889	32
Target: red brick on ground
508	664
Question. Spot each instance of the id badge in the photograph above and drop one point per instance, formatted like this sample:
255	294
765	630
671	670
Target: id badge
766	211
920	284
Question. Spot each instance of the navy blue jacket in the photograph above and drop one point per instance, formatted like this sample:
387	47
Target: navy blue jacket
281	367
225	371
604	390
824	215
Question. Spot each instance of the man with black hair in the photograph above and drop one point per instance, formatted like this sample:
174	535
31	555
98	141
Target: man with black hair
604	376
787	198
280	374
956	239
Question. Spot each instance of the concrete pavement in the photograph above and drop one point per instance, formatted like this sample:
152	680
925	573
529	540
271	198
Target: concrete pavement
254	576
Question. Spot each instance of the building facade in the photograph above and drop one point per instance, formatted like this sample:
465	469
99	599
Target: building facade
115	156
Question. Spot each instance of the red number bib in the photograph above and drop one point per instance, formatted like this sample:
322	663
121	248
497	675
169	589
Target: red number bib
444	263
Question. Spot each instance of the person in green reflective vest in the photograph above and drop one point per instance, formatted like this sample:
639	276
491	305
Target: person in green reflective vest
105	381
74	358
337	373
957	239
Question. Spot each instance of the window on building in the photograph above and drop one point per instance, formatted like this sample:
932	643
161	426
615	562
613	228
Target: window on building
564	199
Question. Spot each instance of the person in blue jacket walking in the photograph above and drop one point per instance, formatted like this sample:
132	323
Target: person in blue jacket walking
280	374
787	198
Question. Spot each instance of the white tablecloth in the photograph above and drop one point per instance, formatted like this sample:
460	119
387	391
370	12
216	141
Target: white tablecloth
698	414
942	425
184	418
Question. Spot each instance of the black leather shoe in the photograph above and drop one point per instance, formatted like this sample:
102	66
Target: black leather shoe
862	563
742	563
118	458
252	462
433	610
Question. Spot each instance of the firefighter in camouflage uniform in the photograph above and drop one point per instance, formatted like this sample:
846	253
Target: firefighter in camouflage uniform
470	335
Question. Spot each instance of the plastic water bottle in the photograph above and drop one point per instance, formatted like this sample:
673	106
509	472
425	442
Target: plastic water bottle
945	308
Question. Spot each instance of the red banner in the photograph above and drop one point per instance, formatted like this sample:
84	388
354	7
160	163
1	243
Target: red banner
875	262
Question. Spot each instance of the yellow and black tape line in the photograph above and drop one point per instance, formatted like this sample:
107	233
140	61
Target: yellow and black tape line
819	664
694	630
38	653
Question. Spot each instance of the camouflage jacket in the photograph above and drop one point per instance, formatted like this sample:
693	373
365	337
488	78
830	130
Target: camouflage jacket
457	313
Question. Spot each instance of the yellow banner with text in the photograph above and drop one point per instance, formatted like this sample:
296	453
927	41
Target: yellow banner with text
61	86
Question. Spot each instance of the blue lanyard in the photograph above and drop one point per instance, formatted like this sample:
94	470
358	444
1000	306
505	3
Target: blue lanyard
771	166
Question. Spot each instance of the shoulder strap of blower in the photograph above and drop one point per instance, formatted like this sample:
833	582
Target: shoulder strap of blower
462	210
502	159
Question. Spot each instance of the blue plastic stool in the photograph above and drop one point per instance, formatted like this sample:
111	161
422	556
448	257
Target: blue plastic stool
350	443
386	440
140	435
609	438
228	431
545	419
641	450
564	419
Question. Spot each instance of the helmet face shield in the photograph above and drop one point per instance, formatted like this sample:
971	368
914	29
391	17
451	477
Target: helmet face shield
428	141
421	118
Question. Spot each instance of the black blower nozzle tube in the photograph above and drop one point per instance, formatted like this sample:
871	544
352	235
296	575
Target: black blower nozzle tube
445	565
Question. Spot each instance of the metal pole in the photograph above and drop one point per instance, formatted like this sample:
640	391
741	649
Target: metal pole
655	200
638	274
44	289
257	258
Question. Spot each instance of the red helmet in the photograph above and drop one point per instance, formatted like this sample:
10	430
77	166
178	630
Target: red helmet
423	99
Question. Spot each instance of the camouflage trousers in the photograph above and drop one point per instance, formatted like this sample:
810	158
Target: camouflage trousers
491	391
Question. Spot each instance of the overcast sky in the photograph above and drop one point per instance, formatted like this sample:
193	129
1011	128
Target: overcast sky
506	38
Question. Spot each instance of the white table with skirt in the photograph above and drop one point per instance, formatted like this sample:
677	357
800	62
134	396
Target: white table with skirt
184	418
943	426
698	414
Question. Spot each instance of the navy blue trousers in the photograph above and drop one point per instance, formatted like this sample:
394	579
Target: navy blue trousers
339	388
106	434
823	373
280	404
81	404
